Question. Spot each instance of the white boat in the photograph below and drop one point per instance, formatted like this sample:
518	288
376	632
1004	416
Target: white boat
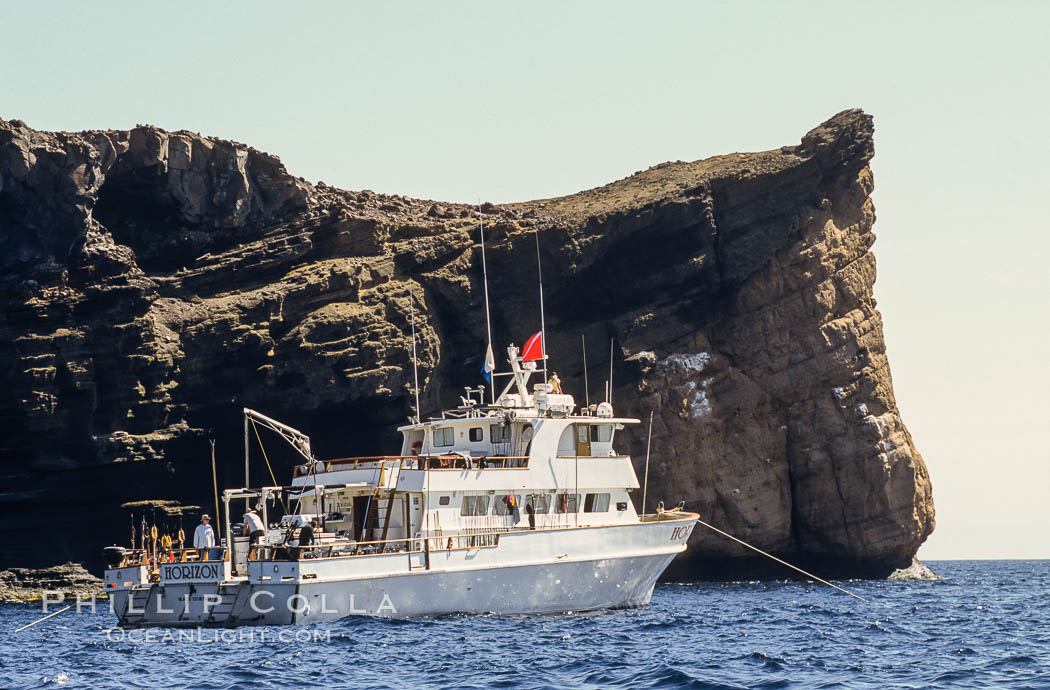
518	506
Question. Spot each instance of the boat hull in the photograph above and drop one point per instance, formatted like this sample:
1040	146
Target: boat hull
547	588
528	572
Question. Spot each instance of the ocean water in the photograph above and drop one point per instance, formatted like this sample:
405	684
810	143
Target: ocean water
987	625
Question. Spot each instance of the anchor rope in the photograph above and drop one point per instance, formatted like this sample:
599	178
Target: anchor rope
778	560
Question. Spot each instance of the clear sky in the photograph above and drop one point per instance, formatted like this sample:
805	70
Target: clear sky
513	101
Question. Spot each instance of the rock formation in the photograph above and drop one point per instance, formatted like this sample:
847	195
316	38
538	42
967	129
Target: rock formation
154	283
68	581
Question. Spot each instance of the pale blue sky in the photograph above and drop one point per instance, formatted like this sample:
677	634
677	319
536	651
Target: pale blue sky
513	101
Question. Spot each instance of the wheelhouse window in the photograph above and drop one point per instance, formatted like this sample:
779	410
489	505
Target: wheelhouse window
596	503
475	505
601	433
567	503
540	503
444	436
504	505
476	434
499	433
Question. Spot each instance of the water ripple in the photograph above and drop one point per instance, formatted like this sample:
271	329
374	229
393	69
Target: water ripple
981	627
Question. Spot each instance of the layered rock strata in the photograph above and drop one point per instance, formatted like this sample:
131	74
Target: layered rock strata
157	282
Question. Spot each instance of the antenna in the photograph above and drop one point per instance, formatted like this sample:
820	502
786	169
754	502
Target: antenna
586	391
215	485
415	363
610	369
488	320
543	326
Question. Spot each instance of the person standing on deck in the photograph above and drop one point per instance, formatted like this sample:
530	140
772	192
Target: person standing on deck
306	538
253	527
203	536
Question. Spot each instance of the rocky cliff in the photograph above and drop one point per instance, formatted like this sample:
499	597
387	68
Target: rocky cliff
156	282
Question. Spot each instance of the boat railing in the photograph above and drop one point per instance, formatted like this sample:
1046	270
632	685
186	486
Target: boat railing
146	557
665	515
488	462
592	457
365	463
453	542
447	461
288	552
456	542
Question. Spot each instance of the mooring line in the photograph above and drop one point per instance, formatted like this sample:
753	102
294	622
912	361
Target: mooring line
44	618
769	555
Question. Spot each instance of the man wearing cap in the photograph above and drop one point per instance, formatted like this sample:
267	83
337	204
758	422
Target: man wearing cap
204	536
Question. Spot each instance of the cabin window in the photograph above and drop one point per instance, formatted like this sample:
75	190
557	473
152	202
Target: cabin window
621	506
567	503
596	503
443	500
443	436
601	433
476	434
499	433
504	505
475	505
541	503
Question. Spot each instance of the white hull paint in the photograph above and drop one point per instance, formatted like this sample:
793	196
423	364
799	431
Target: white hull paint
528	572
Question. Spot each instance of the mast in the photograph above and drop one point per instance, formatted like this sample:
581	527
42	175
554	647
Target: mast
246	483
543	325
488	319
648	447
586	390
415	363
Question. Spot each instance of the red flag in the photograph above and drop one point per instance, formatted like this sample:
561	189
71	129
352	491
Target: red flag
533	348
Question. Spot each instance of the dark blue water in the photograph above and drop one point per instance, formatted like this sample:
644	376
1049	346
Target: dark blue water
986	625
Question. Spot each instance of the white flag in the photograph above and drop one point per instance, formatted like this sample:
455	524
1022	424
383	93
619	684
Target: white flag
489	366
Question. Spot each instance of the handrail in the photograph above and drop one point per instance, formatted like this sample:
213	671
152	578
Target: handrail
665	515
591	457
486	462
438	461
372	461
267	552
144	557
